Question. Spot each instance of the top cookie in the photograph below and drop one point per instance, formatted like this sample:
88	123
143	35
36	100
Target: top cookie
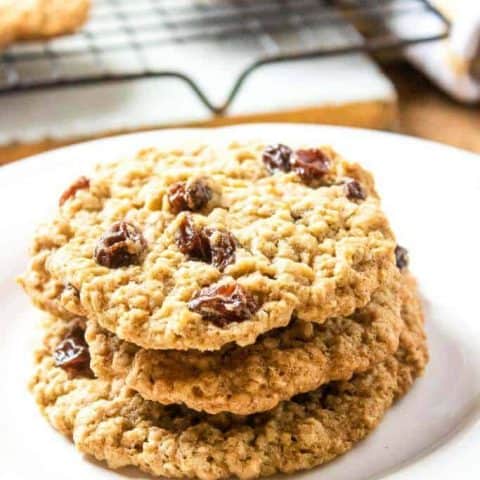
198	247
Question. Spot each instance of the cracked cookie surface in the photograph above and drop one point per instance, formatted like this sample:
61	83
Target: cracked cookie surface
280	364
295	249
113	423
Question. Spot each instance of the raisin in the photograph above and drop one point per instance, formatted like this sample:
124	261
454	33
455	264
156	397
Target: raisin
192	240
80	183
277	158
224	303
192	196
310	165
121	245
401	257
72	353
222	247
209	245
354	190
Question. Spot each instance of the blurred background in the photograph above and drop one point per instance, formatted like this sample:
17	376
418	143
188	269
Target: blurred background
83	69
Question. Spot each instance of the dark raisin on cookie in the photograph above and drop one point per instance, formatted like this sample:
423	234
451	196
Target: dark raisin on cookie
81	183
121	245
222	247
223	304
354	190
193	196
209	245
72	353
192	241
311	165
401	257
277	158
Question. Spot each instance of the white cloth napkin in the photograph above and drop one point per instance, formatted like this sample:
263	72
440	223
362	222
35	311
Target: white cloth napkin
454	64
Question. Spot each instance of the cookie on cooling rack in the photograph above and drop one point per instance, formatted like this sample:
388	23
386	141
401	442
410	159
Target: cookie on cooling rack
39	19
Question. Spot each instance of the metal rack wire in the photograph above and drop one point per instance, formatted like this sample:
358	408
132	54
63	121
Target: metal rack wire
125	41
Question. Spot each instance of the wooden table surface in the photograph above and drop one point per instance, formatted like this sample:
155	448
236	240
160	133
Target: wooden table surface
426	112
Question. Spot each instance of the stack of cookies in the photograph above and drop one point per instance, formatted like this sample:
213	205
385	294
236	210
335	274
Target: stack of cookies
227	310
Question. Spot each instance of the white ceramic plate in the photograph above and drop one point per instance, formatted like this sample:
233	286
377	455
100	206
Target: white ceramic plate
432	194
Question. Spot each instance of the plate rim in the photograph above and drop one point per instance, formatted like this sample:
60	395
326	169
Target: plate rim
23	162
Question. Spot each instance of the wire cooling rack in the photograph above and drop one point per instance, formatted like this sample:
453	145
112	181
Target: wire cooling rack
193	40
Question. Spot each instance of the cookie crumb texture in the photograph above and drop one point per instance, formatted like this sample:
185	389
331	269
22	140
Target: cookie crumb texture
298	249
113	423
40	19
